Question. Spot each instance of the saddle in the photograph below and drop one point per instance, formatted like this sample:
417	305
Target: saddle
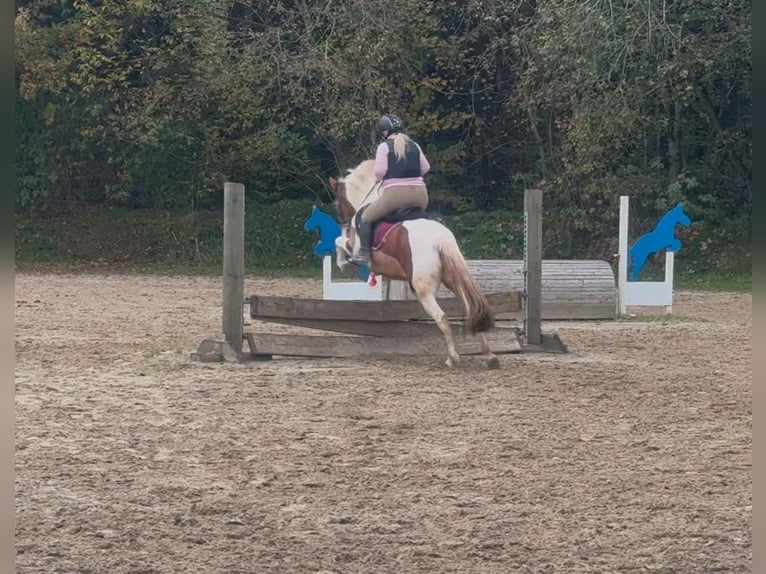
405	214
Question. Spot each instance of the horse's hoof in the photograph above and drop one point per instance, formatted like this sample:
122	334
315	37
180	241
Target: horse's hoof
493	363
451	363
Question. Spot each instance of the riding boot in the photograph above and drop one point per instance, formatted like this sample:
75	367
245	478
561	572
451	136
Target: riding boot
364	235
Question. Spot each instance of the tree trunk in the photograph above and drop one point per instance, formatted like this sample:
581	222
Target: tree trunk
538	138
674	144
707	107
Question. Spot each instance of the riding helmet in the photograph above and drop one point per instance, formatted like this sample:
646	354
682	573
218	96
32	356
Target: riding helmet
388	123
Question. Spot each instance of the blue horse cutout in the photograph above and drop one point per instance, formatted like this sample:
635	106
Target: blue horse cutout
659	238
329	230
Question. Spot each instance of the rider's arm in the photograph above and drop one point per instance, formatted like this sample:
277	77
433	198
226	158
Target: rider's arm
381	161
424	165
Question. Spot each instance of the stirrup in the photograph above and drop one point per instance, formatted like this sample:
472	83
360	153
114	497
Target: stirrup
360	259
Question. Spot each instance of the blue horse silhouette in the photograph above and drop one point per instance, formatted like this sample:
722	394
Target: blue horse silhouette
661	237
329	230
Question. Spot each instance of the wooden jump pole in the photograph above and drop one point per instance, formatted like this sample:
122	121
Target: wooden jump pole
533	265
233	264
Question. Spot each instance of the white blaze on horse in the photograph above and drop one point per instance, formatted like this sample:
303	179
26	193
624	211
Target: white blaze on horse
421	251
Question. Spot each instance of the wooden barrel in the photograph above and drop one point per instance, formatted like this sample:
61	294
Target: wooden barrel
572	288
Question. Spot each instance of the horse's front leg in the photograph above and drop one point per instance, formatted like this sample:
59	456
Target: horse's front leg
341	255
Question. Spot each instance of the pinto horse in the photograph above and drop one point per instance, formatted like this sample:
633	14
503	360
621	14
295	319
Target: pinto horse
415	249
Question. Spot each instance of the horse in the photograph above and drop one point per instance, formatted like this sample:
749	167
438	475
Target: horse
410	246
661	237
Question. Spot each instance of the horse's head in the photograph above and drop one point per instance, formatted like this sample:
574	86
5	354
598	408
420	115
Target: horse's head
351	192
342	205
680	215
346	213
358	182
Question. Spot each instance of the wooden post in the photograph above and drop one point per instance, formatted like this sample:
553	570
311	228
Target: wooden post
233	264
533	265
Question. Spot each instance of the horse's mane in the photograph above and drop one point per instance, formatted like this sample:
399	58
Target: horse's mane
359	181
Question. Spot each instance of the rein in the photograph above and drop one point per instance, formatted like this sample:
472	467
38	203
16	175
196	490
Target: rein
348	220
377	184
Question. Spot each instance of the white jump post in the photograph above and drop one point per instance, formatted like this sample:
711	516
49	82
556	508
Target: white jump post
640	293
348	290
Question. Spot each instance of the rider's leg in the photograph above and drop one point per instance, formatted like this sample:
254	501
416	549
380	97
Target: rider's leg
396	197
367	220
364	237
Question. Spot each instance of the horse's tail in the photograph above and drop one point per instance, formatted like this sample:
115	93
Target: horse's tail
458	279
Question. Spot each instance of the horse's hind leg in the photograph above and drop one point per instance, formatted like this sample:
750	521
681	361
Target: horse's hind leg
428	301
492	361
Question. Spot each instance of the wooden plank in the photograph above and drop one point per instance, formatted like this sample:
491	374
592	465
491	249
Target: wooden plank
267	307
556	312
576	311
371	328
502	341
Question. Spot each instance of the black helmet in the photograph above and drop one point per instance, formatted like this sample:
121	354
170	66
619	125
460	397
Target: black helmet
388	123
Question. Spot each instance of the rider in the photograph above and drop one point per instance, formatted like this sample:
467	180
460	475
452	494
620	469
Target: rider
400	164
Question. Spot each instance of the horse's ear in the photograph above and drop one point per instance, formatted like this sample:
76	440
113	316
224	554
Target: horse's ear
333	182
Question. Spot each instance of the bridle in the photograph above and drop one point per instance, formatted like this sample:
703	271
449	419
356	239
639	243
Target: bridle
340	204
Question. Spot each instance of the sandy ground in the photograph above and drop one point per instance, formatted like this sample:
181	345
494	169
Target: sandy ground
630	454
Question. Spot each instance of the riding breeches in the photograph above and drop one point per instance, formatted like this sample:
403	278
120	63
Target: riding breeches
396	197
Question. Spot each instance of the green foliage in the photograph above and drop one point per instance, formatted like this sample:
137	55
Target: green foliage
167	240
33	177
495	235
275	236
152	240
154	104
